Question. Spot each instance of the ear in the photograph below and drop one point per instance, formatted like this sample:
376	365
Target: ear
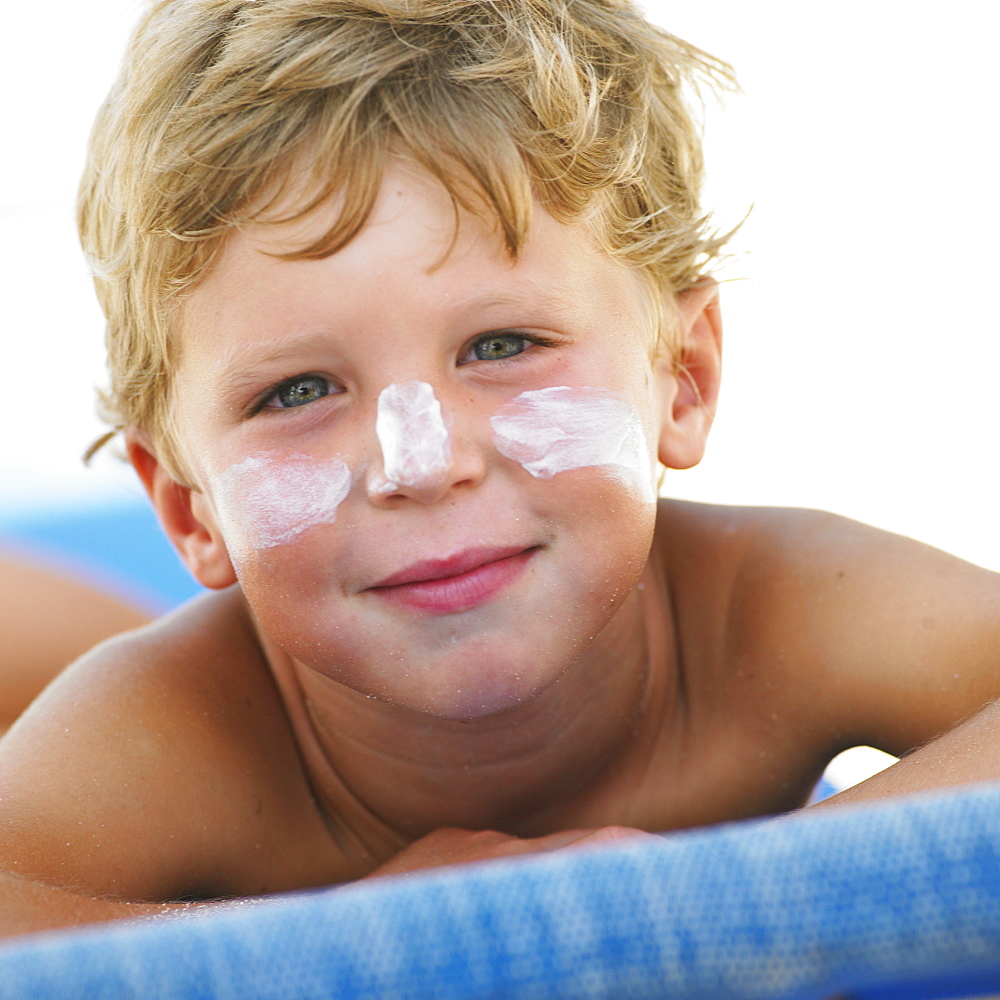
689	383
186	516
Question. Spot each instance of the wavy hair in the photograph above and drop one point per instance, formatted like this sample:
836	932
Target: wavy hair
582	104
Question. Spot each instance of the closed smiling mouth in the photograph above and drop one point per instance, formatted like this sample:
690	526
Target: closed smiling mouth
460	582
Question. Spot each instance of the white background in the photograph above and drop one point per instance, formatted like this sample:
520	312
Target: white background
862	341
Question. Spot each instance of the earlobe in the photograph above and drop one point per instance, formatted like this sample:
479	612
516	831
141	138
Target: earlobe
186	517
689	381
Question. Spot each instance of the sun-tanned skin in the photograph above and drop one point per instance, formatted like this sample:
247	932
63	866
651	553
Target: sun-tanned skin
33	651
646	669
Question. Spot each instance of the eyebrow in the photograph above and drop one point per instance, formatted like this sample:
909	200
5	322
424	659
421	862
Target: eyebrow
236	362
534	298
241	373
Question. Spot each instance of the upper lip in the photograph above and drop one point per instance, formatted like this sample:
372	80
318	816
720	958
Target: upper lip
427	570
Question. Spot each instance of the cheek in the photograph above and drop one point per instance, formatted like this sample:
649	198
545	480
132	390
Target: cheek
559	429
266	500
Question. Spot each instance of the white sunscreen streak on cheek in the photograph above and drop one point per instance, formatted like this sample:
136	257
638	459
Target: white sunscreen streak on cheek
411	432
553	430
268	500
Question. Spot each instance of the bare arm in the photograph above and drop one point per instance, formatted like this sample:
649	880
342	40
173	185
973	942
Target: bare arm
156	769
30	906
967	754
449	846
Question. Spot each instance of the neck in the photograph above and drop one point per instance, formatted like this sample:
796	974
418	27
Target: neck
390	775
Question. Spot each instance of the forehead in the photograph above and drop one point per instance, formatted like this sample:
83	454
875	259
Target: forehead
417	256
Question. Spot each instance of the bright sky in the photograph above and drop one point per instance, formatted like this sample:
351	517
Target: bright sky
861	344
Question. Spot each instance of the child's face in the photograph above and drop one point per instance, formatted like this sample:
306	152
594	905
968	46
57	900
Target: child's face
432	468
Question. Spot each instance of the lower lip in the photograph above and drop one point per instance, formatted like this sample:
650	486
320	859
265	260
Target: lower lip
451	594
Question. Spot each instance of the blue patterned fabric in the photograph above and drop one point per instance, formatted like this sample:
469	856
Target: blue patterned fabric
900	900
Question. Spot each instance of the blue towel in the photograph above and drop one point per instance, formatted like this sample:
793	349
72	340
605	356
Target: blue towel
898	900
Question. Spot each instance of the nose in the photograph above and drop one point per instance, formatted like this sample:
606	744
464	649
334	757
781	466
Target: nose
419	458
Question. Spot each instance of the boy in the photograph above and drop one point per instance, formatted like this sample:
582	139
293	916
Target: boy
405	302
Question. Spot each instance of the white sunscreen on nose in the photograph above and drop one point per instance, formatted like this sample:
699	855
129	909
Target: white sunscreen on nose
411	432
269	499
553	430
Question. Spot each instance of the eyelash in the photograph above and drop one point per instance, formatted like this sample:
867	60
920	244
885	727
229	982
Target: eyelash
529	339
272	392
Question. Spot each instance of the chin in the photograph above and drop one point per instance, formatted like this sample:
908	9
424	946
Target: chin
483	702
477	684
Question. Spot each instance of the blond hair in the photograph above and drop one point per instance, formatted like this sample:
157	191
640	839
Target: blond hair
580	103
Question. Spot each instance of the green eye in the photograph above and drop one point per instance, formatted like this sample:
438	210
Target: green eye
498	346
300	391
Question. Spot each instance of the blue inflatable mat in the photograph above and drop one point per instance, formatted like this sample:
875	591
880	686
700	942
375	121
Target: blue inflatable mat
901	900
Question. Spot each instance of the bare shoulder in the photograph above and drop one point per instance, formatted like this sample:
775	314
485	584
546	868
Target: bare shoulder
158	766
870	636
697	528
